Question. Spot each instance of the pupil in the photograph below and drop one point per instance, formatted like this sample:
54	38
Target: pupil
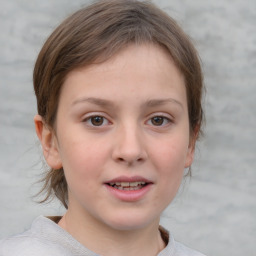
157	120
97	120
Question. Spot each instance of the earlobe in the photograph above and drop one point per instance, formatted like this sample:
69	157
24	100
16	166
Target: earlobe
191	148
48	142
190	156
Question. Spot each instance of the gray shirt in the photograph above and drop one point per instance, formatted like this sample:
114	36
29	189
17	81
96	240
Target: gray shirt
45	237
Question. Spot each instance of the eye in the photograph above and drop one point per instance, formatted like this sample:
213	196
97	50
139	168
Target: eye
158	121
96	121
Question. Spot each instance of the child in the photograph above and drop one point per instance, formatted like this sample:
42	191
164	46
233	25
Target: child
118	87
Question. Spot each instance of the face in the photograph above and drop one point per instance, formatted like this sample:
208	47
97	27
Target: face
122	137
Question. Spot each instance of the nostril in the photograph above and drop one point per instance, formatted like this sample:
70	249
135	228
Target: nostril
120	159
129	161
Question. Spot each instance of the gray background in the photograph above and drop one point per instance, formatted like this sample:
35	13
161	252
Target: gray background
215	212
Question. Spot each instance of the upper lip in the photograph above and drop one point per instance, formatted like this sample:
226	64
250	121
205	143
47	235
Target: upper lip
129	179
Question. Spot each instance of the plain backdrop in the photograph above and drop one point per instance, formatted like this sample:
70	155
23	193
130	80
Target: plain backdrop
215	211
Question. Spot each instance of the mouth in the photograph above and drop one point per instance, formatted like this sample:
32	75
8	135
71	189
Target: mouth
129	189
128	186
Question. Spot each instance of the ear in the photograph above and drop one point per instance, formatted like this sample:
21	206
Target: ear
191	147
49	143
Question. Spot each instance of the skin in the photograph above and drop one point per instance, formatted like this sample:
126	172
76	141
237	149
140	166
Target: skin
142	129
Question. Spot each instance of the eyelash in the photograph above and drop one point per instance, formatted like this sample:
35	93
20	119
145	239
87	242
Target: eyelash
165	120
103	121
89	121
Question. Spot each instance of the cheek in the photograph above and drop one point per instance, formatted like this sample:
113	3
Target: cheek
169	163
170	156
169	160
171	168
82	163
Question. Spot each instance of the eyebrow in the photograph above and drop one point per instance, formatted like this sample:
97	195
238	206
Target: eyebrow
96	101
108	103
160	102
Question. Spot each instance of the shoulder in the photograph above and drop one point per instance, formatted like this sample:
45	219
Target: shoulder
183	250
175	248
44	237
29	243
24	245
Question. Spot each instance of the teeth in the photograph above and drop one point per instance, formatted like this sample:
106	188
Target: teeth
135	184
128	185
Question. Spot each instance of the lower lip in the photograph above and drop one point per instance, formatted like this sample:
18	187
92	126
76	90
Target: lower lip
129	195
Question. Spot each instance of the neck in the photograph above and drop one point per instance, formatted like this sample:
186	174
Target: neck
106	241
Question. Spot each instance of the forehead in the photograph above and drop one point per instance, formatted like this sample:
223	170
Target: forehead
148	67
151	57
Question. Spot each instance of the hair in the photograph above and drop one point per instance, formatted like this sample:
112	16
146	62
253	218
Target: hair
93	35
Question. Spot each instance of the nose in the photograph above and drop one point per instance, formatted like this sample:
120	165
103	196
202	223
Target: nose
129	146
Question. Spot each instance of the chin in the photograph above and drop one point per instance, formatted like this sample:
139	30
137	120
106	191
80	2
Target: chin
128	222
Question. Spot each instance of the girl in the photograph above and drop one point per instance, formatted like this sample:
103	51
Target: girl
118	87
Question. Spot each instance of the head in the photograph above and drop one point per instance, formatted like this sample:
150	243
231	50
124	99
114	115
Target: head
95	34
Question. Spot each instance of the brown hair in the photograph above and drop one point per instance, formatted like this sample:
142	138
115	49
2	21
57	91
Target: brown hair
96	33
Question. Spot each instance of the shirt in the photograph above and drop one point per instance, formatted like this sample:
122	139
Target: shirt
45	237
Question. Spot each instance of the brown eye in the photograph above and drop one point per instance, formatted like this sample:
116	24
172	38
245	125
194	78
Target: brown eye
97	120
157	120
